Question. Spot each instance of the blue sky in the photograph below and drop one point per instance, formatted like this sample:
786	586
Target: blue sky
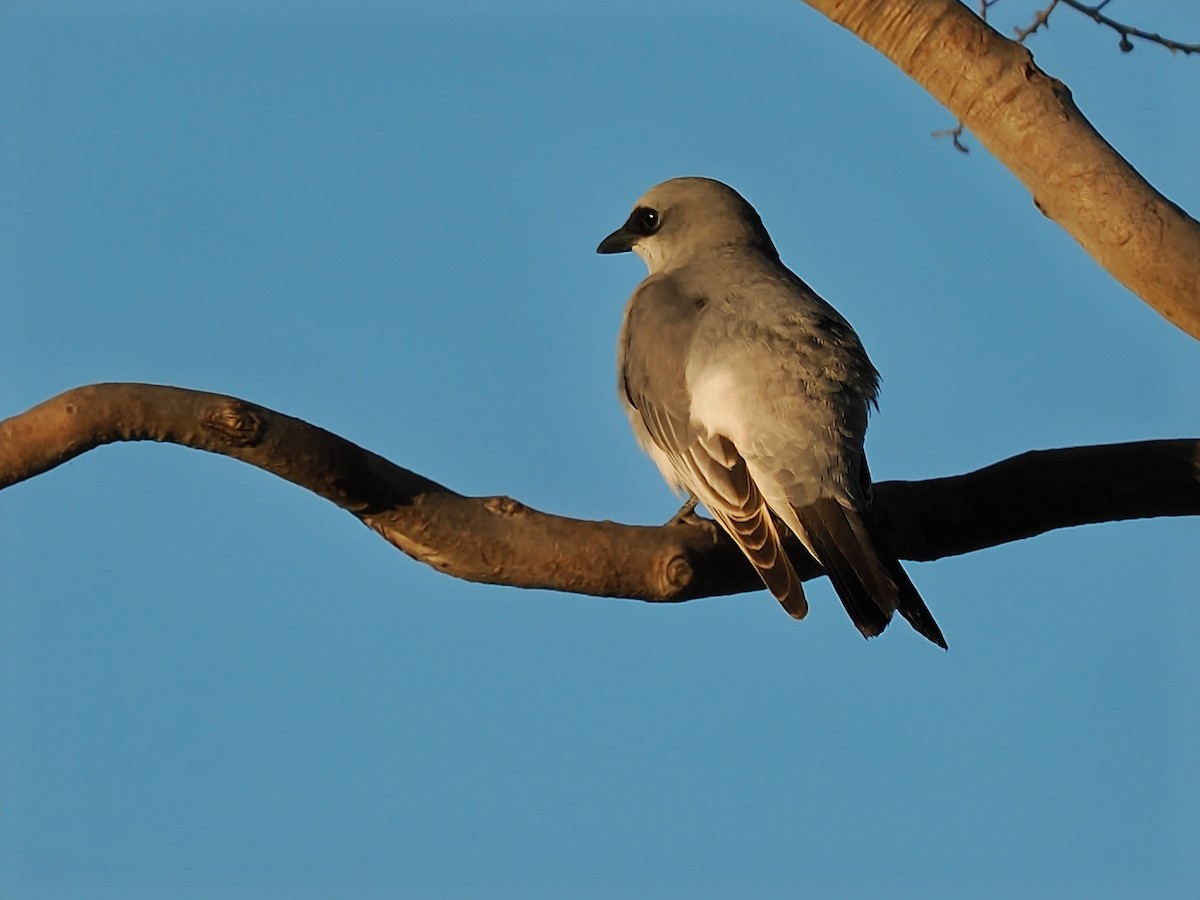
382	218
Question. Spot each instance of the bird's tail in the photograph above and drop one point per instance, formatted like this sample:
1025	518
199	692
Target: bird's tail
868	579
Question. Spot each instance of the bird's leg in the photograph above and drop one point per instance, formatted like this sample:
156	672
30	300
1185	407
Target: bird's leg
687	512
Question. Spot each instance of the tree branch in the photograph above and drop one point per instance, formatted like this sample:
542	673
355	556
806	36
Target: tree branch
1041	19
500	541
1029	122
1125	31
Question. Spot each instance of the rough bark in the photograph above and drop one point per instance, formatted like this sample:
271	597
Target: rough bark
500	541
1030	123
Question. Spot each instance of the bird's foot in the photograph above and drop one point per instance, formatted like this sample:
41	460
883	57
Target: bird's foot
687	514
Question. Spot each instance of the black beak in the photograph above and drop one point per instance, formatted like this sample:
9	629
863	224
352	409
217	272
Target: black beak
620	241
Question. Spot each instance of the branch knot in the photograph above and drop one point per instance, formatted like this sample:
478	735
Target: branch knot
678	574
237	422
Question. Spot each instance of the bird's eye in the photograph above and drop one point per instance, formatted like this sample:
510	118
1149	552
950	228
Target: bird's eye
646	220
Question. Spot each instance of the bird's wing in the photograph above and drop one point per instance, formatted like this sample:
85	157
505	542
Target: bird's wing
659	326
788	383
717	476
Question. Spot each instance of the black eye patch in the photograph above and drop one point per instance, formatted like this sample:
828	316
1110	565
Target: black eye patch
645	220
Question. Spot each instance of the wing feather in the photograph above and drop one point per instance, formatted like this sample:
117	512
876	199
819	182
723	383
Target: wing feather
717	475
656	335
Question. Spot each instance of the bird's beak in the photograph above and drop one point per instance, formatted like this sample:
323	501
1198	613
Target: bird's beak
620	241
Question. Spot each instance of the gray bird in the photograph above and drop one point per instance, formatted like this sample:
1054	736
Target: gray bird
751	394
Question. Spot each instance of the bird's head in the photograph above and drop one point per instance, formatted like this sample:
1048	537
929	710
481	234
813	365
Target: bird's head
688	218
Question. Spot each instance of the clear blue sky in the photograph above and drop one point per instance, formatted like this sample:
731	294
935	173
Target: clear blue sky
382	218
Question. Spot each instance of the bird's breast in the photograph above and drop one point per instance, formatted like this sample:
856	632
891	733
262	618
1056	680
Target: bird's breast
722	402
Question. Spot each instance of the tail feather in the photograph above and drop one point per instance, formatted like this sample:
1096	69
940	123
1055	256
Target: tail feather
857	578
911	605
869	581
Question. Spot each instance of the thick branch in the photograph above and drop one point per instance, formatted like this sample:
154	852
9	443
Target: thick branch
500	541
1030	123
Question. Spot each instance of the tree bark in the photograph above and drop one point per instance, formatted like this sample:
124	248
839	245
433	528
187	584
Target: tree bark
498	540
1030	123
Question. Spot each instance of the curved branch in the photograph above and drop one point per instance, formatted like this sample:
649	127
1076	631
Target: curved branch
500	541
1029	122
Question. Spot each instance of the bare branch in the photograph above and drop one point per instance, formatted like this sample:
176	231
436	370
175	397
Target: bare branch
1041	19
955	135
1030	123
1125	31
498	540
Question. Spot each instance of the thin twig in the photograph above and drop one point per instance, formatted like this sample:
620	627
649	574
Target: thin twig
955	134
984	6
1041	19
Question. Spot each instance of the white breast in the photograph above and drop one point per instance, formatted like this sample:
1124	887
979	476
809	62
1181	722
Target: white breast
720	404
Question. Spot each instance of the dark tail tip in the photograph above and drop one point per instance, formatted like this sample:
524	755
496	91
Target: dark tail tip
922	621
910	605
868	579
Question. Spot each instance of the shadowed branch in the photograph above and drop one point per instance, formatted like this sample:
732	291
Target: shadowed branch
498	540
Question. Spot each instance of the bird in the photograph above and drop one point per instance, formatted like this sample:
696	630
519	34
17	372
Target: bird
751	394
